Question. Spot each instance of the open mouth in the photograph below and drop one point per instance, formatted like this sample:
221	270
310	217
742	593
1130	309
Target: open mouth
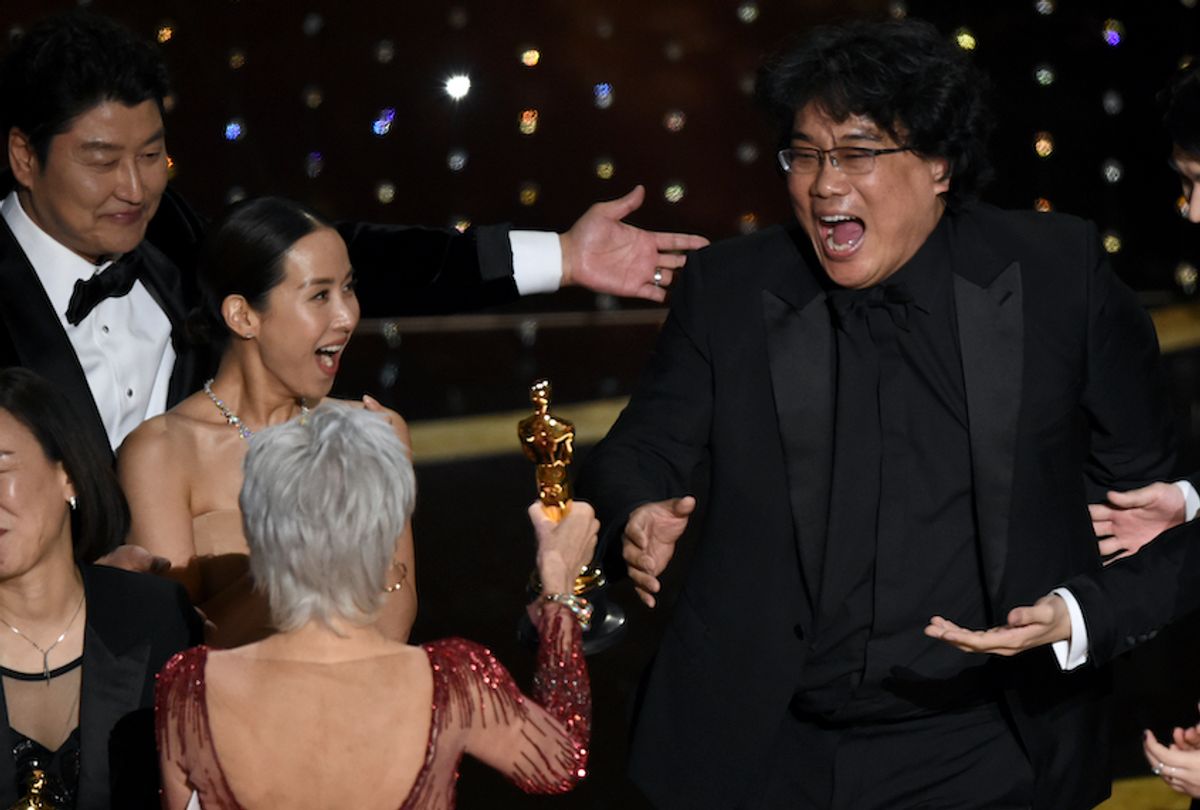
328	357
841	234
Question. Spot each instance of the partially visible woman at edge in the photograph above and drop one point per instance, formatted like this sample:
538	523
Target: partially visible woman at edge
324	500
277	293
79	644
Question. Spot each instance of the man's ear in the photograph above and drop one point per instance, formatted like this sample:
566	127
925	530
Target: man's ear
22	158
239	316
939	169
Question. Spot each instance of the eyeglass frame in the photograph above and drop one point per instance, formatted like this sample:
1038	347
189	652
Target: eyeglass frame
834	161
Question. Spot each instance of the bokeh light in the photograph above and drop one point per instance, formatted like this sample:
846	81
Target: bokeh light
237	59
1113	32
530	57
747	12
748	222
1044	75
898	9
385	191
605	168
165	33
529	193
1186	277
1043	205
456	161
1112	171
385	51
602	93
382	124
674	192
1044	7
312	24
314	164
235	129
1113	102
747	152
527	122
458	85
1043	144
1112	242
964	39
674	120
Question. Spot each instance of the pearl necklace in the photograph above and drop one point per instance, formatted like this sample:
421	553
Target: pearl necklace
45	651
233	419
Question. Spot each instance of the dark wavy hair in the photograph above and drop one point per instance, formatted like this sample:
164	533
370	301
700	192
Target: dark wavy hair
1181	109
100	521
244	256
67	64
906	77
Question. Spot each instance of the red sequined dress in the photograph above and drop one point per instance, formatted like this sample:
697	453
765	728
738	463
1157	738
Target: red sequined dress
261	741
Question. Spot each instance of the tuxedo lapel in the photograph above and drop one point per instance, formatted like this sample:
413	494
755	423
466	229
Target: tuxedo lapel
164	282
112	684
36	334
992	339
800	352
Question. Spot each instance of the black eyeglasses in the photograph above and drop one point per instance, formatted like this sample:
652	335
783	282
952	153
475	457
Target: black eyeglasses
846	159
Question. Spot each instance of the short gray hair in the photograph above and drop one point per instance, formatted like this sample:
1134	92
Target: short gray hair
323	502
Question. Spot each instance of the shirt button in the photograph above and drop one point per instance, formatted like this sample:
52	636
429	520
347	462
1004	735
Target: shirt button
129	392
104	329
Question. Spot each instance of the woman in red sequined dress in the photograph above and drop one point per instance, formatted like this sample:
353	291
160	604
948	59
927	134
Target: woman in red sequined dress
330	713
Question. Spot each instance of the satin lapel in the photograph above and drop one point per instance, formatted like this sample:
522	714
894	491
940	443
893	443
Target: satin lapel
164	282
112	688
800	352
992	338
37	336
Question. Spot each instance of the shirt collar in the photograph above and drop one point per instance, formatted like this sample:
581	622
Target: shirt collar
927	274
57	266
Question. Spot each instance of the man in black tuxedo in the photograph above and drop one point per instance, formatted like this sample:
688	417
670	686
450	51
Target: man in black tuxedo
81	109
904	402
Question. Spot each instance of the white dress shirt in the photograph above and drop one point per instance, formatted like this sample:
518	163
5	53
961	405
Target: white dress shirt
123	345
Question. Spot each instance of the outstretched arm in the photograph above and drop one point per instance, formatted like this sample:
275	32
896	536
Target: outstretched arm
606	255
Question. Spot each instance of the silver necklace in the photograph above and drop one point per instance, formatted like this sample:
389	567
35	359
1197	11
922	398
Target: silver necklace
233	419
46	651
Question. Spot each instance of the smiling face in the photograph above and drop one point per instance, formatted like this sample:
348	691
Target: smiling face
34	515
1187	166
309	316
101	181
864	227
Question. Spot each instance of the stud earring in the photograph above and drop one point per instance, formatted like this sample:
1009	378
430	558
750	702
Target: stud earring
74	503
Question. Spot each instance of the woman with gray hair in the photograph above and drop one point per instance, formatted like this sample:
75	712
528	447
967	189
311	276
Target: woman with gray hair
324	499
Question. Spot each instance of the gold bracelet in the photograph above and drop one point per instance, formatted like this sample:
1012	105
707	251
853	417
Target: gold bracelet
399	583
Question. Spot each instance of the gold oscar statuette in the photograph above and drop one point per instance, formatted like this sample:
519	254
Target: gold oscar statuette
549	442
34	798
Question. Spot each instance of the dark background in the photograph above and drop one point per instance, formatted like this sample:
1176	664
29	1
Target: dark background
697	57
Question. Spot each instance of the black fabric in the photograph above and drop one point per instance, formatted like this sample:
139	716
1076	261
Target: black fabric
1061	390
115	281
902	543
61	767
135	623
964	760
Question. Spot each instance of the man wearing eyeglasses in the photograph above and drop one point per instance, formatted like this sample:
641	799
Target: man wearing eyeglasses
900	399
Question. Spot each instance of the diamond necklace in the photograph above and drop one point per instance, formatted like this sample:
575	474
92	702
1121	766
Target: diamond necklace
233	419
46	651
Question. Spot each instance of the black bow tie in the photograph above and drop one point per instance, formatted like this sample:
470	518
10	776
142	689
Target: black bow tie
895	298
114	281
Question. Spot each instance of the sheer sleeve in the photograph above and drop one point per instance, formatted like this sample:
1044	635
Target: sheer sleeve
184	742
540	744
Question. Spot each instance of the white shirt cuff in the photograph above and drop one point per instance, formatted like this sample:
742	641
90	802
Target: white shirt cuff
537	261
1072	653
1191	501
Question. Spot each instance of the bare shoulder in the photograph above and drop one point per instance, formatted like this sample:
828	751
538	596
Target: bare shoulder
168	436
394	418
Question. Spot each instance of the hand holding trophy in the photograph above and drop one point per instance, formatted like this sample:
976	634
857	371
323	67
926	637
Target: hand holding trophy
549	442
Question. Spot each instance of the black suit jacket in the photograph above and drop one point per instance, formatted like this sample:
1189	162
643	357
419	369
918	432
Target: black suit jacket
1060	371
135	623
400	271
